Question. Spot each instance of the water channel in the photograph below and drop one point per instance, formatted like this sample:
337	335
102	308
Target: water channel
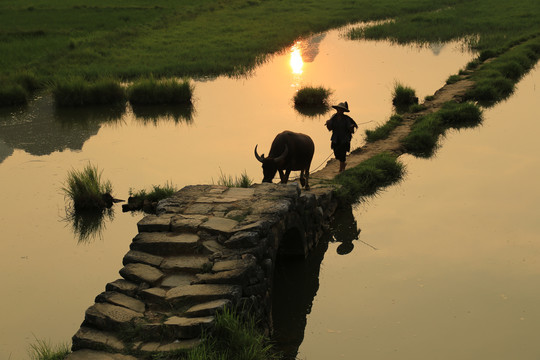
51	274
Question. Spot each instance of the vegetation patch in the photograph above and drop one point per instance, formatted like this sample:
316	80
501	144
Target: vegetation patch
87	190
147	200
43	350
12	94
423	139
312	101
242	181
79	92
383	131
167	91
495	80
403	97
368	177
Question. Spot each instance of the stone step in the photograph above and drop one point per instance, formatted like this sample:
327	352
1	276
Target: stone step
89	338
155	223
141	273
164	347
202	293
123	286
178	279
208	308
120	299
134	256
166	243
178	327
107	316
187	263
87	354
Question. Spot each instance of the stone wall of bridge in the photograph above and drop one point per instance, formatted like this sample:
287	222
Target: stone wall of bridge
207	247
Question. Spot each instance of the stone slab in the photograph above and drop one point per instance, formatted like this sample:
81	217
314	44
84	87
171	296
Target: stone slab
120	299
139	273
219	224
108	316
151	347
187	328
88	338
165	243
203	293
235	276
193	263
155	295
240	192
183	223
123	286
243	239
208	308
134	256
234	264
97	355
178	280
152	223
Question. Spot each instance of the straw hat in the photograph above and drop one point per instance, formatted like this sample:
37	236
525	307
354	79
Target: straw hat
343	106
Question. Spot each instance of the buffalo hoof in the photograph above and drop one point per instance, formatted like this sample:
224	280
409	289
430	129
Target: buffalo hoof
302	181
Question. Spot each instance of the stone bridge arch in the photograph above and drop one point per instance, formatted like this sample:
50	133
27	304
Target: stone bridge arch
207	247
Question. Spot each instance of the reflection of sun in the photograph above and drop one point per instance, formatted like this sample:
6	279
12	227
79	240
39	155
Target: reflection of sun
296	59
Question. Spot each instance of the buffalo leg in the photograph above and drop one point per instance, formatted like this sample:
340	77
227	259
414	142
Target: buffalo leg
302	179
307	178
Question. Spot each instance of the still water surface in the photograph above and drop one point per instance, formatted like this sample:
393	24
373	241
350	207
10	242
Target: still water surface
447	264
50	277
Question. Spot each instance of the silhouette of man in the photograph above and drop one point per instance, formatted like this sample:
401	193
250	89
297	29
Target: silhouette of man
342	127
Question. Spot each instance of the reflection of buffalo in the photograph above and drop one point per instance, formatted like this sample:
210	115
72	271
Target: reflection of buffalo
289	152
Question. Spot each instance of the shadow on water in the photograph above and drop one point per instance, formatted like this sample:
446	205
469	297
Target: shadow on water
88	225
296	283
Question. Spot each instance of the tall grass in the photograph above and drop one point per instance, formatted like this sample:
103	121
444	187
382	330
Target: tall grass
12	94
158	192
86	189
369	177
79	92
383	131
233	338
168	91
403	97
312	100
243	181
423	139
43	350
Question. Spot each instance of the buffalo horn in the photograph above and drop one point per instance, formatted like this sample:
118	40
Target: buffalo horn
260	158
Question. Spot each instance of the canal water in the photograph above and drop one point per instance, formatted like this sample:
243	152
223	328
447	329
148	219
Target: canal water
51	272
445	265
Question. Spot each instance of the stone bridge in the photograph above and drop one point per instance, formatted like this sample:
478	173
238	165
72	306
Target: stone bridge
208	247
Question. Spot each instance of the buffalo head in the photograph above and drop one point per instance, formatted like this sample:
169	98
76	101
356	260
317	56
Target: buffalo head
271	165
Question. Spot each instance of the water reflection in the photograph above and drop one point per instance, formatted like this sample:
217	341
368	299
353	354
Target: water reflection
296	59
163	113
88	225
344	230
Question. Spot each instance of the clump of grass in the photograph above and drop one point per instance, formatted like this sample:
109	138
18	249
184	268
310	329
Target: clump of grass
86	189
429	98
13	94
158	192
452	79
403	97
79	92
368	177
43	350
152	92
312	101
244	181
423	139
414	108
383	131
233	337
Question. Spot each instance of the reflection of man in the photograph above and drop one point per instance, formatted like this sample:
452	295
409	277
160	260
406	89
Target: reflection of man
344	229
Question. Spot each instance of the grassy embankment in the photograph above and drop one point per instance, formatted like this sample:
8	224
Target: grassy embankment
45	45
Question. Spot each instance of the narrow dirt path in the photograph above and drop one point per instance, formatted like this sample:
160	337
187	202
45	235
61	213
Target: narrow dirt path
449	92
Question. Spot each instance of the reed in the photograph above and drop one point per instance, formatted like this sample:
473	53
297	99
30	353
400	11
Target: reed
86	189
151	91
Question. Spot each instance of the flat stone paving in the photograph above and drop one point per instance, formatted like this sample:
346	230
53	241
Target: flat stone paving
196	256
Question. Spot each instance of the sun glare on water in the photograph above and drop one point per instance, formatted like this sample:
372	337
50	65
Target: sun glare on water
296	59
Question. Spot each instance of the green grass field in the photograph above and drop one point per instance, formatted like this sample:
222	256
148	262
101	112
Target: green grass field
43	43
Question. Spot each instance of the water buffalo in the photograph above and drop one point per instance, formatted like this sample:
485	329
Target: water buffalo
290	151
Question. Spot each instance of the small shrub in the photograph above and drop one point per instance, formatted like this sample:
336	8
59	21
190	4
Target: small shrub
78	92
429	98
403	97
43	350
244	181
86	189
152	92
383	131
13	94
